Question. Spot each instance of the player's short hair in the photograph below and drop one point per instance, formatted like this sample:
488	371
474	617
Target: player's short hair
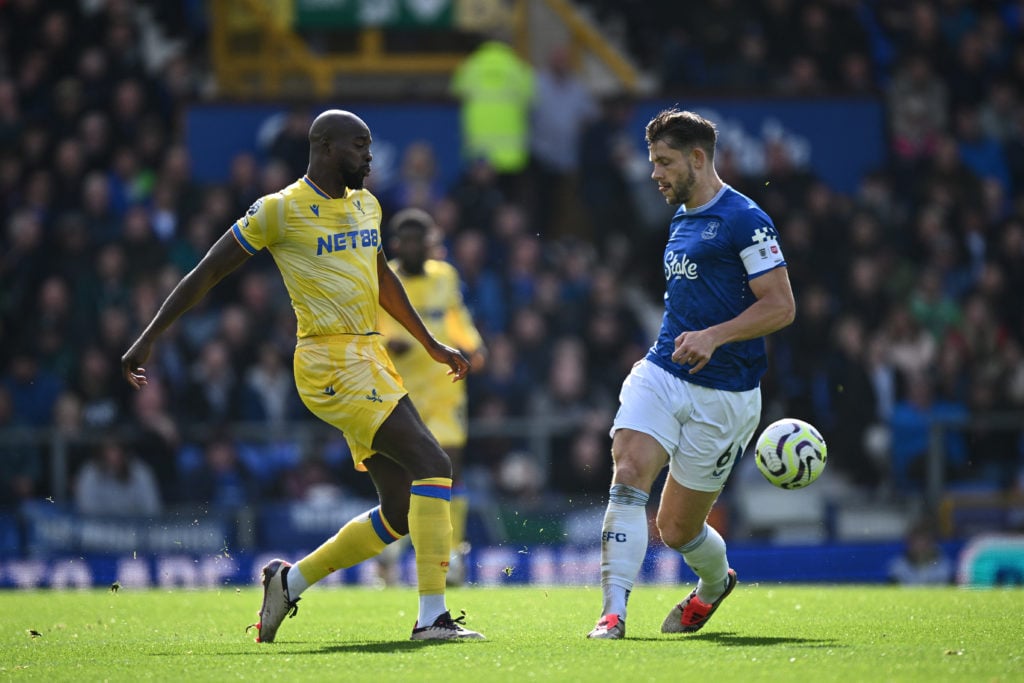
681	130
417	220
414	218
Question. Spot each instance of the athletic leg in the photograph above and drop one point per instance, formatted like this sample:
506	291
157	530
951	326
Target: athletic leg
364	536
404	439
682	521
393	483
638	459
683	515
711	441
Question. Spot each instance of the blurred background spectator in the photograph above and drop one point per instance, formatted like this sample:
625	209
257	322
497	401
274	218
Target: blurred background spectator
562	108
116	483
221	480
923	561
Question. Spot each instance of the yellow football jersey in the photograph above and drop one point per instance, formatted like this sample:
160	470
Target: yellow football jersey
437	298
326	250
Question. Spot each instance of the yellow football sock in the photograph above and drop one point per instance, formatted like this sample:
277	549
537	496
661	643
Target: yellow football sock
460	510
430	529
360	539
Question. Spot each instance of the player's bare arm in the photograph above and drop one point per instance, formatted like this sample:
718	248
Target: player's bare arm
223	257
774	309
395	301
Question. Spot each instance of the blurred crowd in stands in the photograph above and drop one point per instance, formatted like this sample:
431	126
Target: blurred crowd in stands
908	290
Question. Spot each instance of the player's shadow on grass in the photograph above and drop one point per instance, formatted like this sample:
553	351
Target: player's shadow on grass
377	646
356	647
731	639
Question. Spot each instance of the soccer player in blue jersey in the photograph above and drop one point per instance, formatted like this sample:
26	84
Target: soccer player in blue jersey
694	400
323	231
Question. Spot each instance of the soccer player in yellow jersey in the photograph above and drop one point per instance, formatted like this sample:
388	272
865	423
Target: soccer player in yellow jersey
433	289
323	232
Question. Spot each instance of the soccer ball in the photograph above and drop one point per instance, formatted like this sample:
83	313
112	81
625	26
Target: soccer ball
790	453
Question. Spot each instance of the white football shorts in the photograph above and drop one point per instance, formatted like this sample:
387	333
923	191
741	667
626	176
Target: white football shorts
703	430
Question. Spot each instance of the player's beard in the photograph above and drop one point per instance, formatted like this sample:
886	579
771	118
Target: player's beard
414	266
353	179
682	190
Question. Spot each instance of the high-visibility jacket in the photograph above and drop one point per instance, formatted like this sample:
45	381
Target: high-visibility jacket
496	88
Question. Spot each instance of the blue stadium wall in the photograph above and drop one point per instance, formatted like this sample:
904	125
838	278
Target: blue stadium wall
840	139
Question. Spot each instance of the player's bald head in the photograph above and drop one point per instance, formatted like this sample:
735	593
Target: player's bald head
335	124
339	151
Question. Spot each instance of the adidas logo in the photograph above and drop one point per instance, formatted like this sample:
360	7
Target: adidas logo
315	208
374	396
329	391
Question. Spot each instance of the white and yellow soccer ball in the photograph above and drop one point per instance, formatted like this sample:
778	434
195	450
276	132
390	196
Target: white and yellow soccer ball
790	453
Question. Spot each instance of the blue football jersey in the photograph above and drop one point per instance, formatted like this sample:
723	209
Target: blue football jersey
713	253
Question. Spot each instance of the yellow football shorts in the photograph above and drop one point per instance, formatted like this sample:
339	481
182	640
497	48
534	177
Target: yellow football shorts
348	381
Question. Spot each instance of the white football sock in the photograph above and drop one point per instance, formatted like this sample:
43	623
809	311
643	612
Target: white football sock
431	607
706	556
623	546
296	582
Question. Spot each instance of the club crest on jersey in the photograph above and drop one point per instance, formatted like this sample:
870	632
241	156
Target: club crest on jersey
679	267
710	231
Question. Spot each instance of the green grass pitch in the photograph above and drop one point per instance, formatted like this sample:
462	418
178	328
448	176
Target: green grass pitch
762	632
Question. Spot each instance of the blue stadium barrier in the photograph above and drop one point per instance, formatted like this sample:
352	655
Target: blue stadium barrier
547	565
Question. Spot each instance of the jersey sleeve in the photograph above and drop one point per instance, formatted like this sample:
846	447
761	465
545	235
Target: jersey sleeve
757	242
261	225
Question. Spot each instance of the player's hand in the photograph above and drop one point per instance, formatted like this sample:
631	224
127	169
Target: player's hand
453	358
694	349
132	360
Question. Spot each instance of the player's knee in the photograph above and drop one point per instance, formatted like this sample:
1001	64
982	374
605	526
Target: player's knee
436	462
676	533
634	469
408	443
425	459
671	533
670	536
